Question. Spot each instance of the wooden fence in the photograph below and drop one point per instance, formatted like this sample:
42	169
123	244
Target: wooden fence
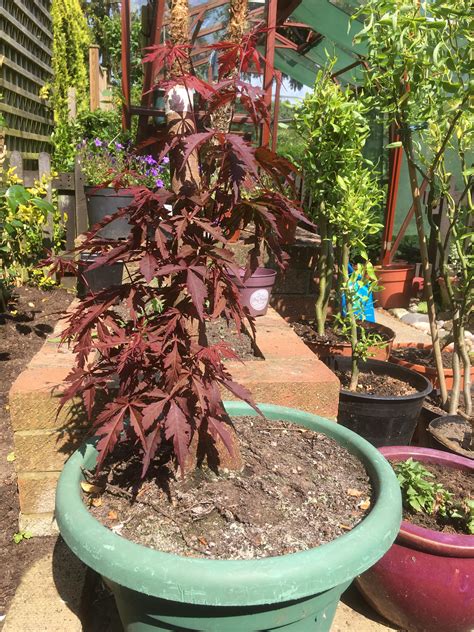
25	66
70	191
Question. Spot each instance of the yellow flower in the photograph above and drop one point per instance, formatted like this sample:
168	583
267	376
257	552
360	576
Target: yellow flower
12	178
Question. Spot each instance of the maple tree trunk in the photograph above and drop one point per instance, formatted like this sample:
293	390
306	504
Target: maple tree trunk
179	103
426	267
238	12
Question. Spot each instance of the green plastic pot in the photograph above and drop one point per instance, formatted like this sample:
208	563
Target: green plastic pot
297	592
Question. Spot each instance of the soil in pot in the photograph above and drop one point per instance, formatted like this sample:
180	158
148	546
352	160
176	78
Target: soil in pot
452	433
333	342
460	483
372	384
419	357
298	490
423	356
241	344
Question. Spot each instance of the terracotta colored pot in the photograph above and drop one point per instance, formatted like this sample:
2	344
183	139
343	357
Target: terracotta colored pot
323	350
428	371
234	238
396	279
425	582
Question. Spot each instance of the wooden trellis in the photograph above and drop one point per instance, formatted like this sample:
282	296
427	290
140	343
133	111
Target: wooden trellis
25	66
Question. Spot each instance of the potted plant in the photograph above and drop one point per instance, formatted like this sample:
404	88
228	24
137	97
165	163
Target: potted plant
159	379
426	579
112	170
343	195
435	133
418	356
378	400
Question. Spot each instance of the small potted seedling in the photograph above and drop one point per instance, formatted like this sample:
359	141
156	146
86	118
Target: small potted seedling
426	579
382	419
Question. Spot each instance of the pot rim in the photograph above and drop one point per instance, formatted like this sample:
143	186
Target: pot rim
97	190
260	273
420	368
387	331
428	540
236	582
395	267
390	398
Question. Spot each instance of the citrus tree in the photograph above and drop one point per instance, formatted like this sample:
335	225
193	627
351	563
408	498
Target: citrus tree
419	67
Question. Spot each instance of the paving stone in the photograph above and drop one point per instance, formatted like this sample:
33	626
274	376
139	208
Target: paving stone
411	319
398	312
422	326
49	597
39	525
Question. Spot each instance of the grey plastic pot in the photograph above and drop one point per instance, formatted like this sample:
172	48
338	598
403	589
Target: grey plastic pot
106	201
297	592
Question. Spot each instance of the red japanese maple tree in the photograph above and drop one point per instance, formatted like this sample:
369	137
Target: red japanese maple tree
160	377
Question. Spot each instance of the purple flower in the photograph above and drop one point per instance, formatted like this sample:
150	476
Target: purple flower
98	142
119	146
165	160
153	172
150	160
159	183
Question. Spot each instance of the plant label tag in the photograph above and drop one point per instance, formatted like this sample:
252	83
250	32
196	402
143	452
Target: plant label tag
259	299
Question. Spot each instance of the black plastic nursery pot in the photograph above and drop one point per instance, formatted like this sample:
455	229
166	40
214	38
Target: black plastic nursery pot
100	278
106	201
298	592
383	421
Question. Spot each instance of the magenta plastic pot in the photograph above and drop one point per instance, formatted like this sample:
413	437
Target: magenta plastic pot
425	582
255	291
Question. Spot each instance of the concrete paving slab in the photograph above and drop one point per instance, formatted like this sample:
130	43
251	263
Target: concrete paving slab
403	331
49	596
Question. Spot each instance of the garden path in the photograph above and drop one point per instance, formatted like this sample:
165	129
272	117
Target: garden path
403	332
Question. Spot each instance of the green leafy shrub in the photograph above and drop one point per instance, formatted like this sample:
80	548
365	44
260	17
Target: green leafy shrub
68	136
24	212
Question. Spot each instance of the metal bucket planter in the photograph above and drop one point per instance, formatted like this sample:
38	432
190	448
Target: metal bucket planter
297	592
101	278
103	202
425	582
